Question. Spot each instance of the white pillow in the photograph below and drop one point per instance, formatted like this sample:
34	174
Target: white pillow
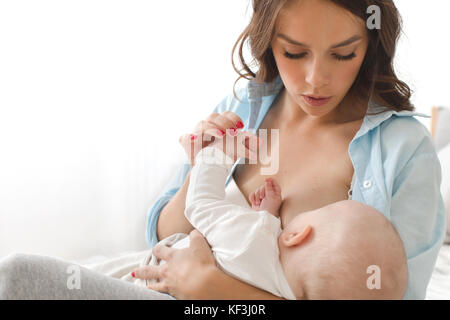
444	157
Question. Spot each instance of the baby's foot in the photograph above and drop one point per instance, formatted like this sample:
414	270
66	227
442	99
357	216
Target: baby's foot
267	197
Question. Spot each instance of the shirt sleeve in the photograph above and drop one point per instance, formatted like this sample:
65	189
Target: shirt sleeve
417	212
168	192
172	187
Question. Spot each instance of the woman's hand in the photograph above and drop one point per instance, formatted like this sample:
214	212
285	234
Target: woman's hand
185	269
192	274
206	131
239	144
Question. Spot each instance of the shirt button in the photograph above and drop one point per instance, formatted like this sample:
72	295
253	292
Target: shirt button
367	184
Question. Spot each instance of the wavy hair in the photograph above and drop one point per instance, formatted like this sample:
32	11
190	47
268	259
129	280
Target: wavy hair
376	77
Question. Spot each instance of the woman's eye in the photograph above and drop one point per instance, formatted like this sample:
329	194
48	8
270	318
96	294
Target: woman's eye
294	56
336	56
349	57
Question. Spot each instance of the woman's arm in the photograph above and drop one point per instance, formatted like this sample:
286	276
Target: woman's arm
161	202
218	285
171	219
418	214
416	206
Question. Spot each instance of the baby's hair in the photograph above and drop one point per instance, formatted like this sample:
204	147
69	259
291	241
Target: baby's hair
342	251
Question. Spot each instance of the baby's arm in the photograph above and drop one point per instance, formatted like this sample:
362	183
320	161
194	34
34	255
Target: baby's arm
212	166
205	199
206	207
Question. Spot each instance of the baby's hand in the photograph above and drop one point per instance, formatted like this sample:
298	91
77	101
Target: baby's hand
267	197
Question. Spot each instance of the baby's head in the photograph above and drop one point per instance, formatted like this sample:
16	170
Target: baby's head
348	249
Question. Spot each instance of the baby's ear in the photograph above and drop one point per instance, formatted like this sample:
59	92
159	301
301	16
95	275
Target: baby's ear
296	238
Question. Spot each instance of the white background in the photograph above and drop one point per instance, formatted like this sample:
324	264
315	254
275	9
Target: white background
93	97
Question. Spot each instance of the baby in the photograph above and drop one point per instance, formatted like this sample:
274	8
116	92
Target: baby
328	253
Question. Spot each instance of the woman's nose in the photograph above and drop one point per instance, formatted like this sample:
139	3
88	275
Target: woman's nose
317	74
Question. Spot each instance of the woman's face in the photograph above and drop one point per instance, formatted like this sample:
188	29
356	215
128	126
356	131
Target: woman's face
330	47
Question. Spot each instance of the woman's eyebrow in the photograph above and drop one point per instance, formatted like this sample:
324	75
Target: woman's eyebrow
338	45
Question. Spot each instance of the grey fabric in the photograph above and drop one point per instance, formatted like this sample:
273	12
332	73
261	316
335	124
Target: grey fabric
25	276
442	133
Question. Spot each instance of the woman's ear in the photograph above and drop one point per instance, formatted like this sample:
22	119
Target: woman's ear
296	238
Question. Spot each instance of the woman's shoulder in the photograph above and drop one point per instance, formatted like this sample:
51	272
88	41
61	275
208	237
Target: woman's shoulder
404	138
404	131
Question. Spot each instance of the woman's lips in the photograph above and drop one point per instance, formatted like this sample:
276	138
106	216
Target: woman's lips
316	102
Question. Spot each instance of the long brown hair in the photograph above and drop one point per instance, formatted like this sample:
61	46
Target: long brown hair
376	78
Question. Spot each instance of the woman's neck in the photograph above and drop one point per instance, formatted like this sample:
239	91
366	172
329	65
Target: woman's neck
349	110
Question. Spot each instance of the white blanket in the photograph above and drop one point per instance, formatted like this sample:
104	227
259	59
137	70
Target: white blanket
122	266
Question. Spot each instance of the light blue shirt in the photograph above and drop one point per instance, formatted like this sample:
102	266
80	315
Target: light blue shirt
396	171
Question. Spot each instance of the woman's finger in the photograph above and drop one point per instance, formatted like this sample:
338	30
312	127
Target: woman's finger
252	155
187	139
252	197
257	198
251	141
262	193
234	118
163	252
158	286
147	272
276	186
191	145
224	121
211	129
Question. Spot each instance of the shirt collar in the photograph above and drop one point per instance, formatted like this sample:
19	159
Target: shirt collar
258	90
377	114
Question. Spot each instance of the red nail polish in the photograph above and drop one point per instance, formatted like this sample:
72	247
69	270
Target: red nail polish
220	132
239	125
194	136
133	275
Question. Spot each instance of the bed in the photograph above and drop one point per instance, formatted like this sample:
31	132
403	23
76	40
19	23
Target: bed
439	286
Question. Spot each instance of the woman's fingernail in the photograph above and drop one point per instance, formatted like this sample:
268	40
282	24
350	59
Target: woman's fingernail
239	125
194	136
133	275
232	131
220	132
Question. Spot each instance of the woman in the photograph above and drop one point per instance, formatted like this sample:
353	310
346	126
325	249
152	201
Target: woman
364	130
362	136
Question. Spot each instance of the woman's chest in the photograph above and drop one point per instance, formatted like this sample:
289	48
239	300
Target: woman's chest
312	170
